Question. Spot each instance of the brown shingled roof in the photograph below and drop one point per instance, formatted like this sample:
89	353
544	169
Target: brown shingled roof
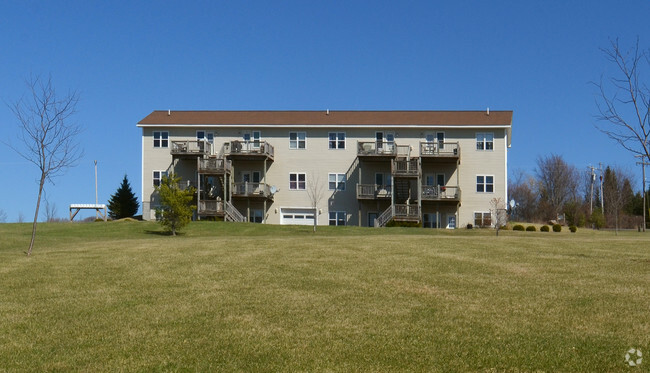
322	117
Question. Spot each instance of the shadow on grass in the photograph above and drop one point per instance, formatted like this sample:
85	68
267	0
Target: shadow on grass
163	233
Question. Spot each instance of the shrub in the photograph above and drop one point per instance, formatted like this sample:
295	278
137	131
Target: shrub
470	226
531	228
557	228
505	227
544	228
518	227
404	224
573	229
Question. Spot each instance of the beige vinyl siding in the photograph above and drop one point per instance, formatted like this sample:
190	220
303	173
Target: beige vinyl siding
317	161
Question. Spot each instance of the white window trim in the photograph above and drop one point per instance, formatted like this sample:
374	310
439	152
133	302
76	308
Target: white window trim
163	173
153	135
483	213
484	136
304	141
337	182
345	139
336	219
297	181
485	184
205	136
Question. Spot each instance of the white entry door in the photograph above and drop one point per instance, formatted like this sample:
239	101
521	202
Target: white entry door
297	216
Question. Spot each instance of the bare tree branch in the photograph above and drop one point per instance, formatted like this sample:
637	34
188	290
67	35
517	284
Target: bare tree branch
623	100
47	136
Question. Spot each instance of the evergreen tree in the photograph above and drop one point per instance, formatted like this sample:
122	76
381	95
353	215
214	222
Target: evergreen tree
176	209
124	203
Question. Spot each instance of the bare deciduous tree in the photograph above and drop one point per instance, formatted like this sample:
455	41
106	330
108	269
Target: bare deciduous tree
522	188
499	212
617	192
558	184
50	211
48	137
624	100
315	193
3	216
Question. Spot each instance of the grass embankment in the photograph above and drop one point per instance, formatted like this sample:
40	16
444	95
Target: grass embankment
221	297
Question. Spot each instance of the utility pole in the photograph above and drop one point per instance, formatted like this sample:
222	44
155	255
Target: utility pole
643	164
591	200
602	198
96	200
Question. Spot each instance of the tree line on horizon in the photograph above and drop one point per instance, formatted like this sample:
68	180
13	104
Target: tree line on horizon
559	191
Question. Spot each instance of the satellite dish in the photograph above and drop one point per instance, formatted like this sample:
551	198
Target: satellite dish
273	189
512	203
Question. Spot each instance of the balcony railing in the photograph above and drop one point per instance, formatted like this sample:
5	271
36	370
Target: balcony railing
214	165
376	148
440	193
406	212
373	191
248	189
254	148
193	147
405	167
186	184
398	212
210	207
440	149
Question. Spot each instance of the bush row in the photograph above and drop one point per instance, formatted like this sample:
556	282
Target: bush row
544	228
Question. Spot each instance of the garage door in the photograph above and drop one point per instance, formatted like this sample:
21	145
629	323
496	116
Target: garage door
297	216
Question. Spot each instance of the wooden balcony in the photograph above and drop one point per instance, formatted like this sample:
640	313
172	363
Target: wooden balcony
373	191
210	207
252	190
440	193
410	213
214	166
406	212
249	150
440	150
405	168
191	148
217	208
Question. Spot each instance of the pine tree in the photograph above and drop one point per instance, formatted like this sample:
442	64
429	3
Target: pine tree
176	209
124	203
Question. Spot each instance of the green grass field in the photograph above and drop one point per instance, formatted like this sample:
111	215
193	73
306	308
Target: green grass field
121	296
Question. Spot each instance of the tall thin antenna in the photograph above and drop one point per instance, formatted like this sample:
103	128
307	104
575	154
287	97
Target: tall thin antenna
96	199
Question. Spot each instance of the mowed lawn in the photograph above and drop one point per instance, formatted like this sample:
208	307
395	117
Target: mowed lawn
121	296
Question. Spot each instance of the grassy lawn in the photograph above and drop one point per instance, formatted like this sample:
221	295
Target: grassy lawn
120	296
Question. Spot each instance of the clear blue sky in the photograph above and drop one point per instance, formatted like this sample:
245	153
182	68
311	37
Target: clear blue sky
128	58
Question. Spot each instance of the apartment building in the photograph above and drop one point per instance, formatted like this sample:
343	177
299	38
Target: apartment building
439	169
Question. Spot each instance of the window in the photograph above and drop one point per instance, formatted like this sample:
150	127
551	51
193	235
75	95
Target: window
336	181
256	216
383	180
484	141
385	141
484	184
160	139
337	140
297	140
482	219
157	177
440	136
254	138
430	220
297	181
204	135
337	217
